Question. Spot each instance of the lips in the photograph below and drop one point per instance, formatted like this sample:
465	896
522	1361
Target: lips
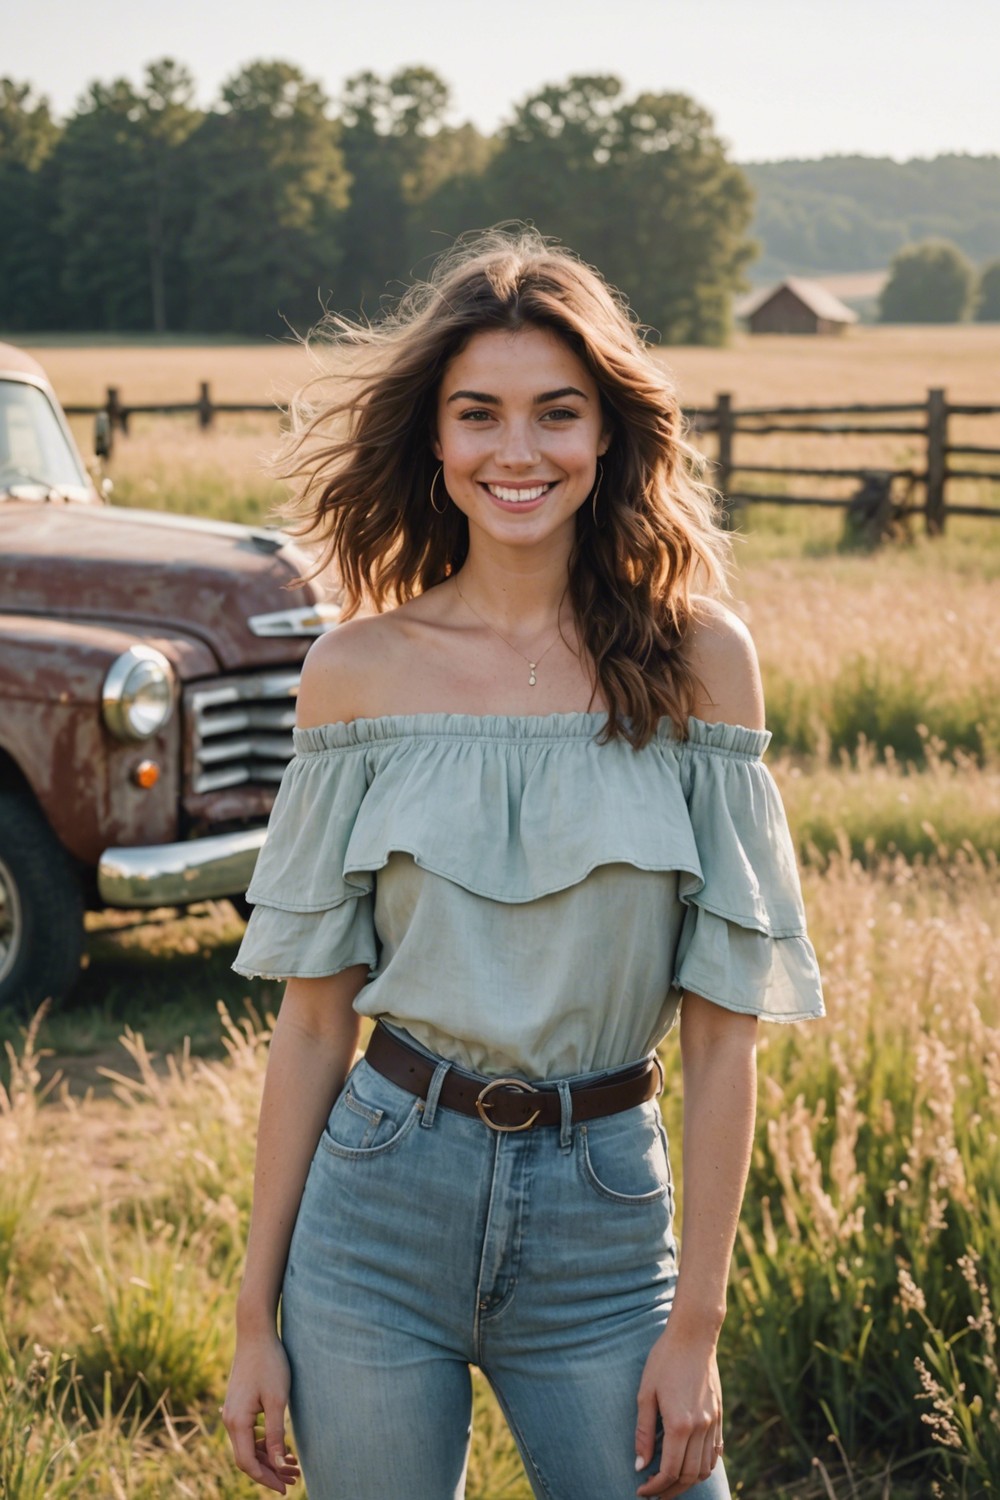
519	494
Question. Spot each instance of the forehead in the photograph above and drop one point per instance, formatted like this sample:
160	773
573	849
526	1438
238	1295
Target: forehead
535	359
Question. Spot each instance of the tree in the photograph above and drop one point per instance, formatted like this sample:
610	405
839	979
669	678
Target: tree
105	270
988	303
397	151
166	119
29	244
551	167
123	208
270	186
453	192
682	212
928	283
640	187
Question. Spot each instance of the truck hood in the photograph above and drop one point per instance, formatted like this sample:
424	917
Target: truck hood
146	569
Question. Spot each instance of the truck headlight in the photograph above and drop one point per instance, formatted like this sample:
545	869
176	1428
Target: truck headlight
138	695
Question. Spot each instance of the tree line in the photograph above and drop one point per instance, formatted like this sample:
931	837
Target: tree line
143	212
852	213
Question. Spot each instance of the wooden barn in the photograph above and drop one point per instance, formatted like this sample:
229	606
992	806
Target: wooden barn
795	306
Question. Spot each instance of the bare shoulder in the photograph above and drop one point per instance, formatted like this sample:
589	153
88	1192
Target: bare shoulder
338	672
720	651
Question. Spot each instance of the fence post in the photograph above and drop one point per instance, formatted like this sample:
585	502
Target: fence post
206	411
724	452
117	415
937	461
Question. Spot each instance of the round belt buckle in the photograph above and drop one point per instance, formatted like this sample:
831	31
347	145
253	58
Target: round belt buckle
483	1103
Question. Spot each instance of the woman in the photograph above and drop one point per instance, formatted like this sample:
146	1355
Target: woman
526	815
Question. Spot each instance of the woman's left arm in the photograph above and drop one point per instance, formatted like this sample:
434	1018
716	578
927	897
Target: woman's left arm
718	1052
680	1383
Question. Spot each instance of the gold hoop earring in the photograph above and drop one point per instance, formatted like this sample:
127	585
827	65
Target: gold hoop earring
437	476
597	491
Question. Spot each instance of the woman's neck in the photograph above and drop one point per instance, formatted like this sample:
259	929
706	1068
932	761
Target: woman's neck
521	593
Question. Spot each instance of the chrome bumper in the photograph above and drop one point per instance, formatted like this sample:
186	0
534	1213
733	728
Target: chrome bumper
176	874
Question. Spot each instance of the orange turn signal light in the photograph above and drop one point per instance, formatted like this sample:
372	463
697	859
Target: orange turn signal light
146	773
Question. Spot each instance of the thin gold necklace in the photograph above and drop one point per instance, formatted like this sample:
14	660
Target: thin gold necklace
532	679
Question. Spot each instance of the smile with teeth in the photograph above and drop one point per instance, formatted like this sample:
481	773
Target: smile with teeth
522	493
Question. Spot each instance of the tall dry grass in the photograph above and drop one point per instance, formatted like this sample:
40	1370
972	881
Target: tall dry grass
863	1297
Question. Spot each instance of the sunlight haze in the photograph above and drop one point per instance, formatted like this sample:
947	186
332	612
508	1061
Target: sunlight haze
783	78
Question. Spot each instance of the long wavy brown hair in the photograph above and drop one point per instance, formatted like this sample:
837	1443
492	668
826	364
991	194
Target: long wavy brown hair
361	466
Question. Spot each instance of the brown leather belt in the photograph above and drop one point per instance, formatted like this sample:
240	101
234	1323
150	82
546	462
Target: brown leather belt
510	1103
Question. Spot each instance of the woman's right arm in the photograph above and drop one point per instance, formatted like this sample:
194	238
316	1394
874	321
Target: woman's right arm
313	1046
314	1042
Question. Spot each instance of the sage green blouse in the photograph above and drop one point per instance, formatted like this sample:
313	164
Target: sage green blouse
527	900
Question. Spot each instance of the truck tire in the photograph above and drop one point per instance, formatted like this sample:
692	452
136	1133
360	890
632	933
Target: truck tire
41	909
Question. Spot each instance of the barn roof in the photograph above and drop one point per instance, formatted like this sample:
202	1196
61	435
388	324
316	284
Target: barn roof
811	293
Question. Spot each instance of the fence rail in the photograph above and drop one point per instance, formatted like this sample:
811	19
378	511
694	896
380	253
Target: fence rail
726	423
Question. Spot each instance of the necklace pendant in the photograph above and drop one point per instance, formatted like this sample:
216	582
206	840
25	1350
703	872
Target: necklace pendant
532	679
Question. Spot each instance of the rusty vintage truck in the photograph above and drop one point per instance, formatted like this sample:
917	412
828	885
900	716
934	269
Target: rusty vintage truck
148	670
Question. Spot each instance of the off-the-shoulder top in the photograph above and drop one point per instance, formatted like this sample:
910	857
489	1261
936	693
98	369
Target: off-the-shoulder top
527	900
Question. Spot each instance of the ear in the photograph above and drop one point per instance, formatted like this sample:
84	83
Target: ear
604	443
436	450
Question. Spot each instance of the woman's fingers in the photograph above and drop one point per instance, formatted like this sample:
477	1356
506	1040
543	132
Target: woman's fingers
687	1458
275	1448
254	1455
645	1429
286	1468
248	1458
709	1454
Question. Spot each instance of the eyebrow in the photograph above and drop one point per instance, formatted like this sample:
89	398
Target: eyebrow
485	399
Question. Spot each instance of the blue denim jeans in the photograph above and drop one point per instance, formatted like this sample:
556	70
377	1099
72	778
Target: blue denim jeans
427	1242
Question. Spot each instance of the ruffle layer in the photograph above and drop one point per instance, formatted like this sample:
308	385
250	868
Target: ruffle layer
776	979
514	809
505	808
309	945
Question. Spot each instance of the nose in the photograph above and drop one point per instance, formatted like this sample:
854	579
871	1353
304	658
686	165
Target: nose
517	447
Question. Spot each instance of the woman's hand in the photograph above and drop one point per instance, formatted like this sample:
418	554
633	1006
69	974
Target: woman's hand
680	1383
259	1382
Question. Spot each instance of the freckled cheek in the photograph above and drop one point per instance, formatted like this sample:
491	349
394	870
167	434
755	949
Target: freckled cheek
463	452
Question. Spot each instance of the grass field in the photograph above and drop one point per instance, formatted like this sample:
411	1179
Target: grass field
164	460
860	1351
866	364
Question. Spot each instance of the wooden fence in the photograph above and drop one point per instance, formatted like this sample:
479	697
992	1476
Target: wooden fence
928	420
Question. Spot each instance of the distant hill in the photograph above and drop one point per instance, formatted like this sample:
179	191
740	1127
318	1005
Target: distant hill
852	213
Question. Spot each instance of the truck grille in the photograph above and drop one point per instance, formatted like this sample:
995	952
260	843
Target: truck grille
241	729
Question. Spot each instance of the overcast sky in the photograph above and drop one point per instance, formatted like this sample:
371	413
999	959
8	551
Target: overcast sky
783	78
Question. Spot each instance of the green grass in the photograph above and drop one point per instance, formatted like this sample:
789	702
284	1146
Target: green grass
970	545
160	974
887	705
868	805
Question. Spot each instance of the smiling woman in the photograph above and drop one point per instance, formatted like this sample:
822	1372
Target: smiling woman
485	382
526	826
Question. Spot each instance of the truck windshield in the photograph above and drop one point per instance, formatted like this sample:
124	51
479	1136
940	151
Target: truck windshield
34	450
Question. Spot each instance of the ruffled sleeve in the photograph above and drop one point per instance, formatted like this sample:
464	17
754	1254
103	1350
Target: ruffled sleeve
309	918
743	942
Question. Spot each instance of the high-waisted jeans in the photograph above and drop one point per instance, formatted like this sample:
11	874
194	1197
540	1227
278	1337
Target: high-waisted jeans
427	1242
